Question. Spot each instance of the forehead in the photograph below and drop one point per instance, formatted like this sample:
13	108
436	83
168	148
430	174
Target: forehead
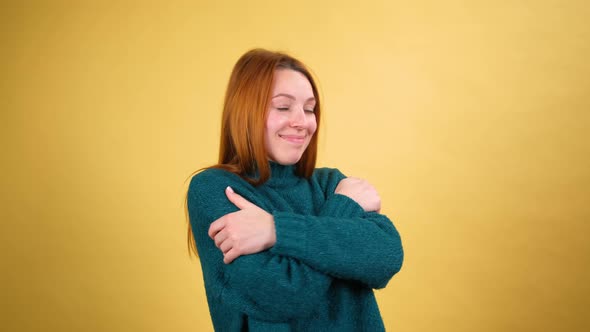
292	82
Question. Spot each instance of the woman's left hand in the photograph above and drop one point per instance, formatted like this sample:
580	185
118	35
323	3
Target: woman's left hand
247	231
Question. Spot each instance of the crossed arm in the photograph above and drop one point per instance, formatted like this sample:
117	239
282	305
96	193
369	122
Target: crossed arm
251	229
356	244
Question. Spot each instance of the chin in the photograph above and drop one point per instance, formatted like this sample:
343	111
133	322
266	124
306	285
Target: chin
287	160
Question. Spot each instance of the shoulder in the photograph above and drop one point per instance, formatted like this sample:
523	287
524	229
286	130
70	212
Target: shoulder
213	180
328	178
327	173
206	199
212	175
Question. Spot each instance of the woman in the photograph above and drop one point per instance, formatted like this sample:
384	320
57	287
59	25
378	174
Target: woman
284	246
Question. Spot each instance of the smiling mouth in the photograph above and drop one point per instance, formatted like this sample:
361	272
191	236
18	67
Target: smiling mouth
293	138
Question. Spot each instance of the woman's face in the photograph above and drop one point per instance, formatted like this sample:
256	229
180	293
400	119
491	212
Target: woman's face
291	122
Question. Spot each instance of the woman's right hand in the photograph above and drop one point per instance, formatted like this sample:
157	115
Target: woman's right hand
247	231
361	192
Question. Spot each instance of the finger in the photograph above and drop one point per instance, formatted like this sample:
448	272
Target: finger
225	246
238	200
230	256
220	237
216	227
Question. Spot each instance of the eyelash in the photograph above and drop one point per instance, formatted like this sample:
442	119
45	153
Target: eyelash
286	109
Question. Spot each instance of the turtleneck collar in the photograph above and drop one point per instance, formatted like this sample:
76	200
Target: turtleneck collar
282	175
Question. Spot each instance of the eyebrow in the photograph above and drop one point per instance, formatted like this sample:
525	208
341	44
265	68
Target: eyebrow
291	97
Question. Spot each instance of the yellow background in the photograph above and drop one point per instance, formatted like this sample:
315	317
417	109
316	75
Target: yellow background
470	117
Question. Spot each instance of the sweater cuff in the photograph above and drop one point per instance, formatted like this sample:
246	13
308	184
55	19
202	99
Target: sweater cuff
341	206
291	232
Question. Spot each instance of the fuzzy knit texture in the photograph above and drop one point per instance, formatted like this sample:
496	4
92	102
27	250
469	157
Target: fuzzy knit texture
328	257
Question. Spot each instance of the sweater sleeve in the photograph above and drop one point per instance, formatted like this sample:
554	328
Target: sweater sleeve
343	241
264	286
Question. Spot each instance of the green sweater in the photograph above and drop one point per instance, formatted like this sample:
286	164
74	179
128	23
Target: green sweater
328	256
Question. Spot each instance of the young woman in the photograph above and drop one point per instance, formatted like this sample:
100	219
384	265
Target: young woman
284	246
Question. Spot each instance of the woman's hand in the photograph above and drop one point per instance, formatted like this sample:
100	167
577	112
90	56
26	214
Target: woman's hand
361	192
247	231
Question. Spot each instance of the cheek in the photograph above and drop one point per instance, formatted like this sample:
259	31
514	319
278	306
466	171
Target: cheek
313	125
274	122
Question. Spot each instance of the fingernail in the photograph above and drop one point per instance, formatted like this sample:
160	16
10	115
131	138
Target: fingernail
229	189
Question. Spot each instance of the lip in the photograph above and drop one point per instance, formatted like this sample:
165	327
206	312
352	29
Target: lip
295	139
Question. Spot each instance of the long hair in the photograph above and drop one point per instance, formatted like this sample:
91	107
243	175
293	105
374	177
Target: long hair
243	121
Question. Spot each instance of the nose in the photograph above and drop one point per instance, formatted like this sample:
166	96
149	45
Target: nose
298	118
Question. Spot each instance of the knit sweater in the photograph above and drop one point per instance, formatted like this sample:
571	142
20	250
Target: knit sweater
320	274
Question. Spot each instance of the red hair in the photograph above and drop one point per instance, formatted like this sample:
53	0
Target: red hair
245	109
